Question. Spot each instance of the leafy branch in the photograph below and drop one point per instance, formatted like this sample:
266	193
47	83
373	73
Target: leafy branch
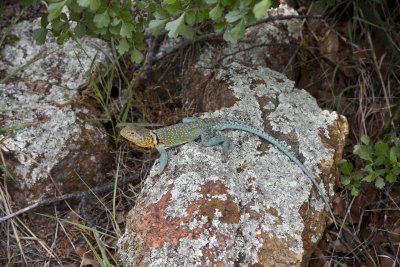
381	164
126	22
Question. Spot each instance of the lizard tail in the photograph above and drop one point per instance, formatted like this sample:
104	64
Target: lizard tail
251	129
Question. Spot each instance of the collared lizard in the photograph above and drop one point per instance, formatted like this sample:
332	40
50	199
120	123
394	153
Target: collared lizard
193	128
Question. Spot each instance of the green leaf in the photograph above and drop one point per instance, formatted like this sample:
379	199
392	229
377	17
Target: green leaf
63	37
345	180
363	151
44	21
174	9
365	139
102	20
58	25
161	14
126	29
370	177
391	177
394	154
114	30
358	176
233	16
210	2
369	167
84	3
80	30
219	27
379	183
396	140
345	167
189	32
381	172
136	56
235	33
123	46
355	191
74	7
40	35
94	5
64	17
261	7
381	160
396	170
216	13
381	148
190	17
202	15
113	13
176	27
55	9
231	4
138	40
115	22
156	25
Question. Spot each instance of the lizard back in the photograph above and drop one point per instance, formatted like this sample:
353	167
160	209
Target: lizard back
178	134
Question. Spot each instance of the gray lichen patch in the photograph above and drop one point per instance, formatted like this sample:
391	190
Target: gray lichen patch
65	65
50	128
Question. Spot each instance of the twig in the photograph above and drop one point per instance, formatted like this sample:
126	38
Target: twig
184	43
285	17
153	47
344	39
76	195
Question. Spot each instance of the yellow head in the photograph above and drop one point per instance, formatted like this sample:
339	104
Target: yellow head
139	136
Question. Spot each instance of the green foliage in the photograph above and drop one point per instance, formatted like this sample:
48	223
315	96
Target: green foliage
113	19
381	164
261	7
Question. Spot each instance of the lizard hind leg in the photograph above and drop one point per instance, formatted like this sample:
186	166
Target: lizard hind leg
208	138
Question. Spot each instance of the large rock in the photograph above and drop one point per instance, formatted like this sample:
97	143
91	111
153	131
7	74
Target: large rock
55	143
256	209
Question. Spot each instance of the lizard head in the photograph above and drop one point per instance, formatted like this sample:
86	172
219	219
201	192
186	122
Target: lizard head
139	136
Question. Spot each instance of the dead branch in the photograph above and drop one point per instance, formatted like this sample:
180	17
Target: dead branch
74	196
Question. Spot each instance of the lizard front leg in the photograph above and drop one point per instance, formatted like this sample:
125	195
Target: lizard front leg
163	158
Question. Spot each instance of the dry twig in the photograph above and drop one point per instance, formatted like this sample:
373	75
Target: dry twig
76	195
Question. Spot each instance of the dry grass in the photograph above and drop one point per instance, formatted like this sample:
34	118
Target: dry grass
358	61
358	77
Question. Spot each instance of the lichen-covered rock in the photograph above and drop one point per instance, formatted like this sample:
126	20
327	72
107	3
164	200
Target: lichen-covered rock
55	142
257	208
